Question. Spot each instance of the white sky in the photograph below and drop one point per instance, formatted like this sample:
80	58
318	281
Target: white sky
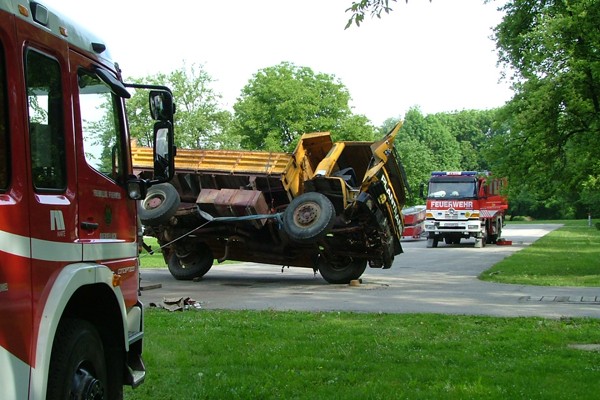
436	55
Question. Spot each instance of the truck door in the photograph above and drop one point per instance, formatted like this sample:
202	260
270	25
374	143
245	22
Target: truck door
107	218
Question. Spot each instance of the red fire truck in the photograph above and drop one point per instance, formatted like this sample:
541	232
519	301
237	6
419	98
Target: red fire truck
71	323
464	204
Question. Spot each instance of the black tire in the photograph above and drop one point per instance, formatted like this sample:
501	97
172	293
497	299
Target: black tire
494	238
160	204
308	217
195	264
77	363
432	242
341	271
482	241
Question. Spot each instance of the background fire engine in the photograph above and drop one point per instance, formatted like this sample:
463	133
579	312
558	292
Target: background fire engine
464	204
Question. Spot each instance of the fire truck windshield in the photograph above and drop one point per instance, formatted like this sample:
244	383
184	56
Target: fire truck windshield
453	189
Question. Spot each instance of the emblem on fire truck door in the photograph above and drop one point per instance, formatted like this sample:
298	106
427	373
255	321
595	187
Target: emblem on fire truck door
57	222
107	215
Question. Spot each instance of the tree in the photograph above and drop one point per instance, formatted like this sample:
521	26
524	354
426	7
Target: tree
362	7
199	122
554	118
416	158
423	145
442	141
435	135
282	102
472	130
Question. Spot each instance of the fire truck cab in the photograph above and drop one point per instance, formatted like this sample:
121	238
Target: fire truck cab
462	205
71	323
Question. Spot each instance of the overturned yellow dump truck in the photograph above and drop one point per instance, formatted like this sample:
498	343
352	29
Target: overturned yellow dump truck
334	207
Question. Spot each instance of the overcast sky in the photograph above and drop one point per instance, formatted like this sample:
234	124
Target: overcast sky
436	55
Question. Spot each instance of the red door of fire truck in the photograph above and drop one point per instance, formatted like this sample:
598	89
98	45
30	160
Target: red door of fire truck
107	219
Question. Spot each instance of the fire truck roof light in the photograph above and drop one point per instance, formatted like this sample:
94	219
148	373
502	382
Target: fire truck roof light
454	173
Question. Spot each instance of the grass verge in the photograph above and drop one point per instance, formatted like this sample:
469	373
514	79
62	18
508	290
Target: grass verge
299	355
569	256
154	260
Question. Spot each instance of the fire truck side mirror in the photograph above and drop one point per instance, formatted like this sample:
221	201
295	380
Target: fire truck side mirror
161	105
164	152
136	188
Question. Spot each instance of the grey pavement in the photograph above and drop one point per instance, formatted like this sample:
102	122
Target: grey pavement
422	280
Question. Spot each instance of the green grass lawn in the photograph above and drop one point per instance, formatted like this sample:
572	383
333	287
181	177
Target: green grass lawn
211	354
569	256
302	355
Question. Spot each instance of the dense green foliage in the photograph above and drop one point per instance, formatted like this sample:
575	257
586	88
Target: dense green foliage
210	354
282	102
550	146
442	142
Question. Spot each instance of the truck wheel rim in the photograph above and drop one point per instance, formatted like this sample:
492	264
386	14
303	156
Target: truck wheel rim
153	202
307	214
86	386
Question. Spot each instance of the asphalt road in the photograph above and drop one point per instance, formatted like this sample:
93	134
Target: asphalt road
441	280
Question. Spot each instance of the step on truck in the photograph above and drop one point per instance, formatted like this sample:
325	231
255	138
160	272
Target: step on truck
334	207
71	321
463	205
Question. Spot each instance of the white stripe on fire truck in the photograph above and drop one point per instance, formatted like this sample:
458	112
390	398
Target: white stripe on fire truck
109	250
14	244
23	246
55	251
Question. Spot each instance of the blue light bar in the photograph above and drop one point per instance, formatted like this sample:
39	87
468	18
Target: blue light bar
454	173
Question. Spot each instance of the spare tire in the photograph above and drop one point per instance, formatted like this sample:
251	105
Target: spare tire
160	204
309	217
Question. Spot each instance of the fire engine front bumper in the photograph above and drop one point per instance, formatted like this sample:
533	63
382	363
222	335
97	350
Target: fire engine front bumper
468	228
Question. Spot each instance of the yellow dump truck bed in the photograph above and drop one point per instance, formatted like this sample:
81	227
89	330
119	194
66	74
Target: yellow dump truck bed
219	161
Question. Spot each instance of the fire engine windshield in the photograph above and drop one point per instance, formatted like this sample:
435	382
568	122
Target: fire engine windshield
452	189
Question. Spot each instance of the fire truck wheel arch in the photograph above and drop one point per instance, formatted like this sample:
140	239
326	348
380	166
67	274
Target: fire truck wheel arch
160	204
72	278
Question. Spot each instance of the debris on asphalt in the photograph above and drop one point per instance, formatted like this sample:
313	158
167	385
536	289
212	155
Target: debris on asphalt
151	286
177	304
